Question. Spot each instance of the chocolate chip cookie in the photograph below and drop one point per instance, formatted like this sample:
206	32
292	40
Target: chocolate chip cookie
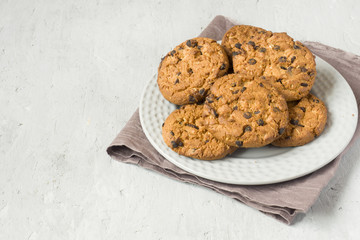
258	52
244	111
307	121
186	73
184	132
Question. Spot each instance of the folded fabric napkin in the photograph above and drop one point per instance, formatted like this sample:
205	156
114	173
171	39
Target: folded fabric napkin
282	200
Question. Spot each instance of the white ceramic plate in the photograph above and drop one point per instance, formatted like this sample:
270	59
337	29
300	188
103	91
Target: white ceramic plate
267	164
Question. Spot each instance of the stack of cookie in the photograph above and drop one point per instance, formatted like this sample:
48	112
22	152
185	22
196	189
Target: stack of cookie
250	91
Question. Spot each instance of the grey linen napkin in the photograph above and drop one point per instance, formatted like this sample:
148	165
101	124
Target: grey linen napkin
282	200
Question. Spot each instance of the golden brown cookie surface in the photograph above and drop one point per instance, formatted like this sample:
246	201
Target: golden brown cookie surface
307	120
245	112
258	52
187	72
184	132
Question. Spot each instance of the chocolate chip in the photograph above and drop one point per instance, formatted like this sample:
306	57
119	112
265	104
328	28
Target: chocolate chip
293	59
190	71
178	73
191	99
279	80
243	89
235	53
238	45
303	69
252	61
260	122
281	130
262	50
180	144
192	43
247	115
247	128
262	32
294	122
261	84
251	43
287	137
257	112
235	108
178	107
290	69
176	81
163	124
235	92
304	84
276	109
174	144
239	143
214	112
223	66
315	100
311	74
192	125
256	47
302	109
276	47
172	133
300	125
218	97
199	47
283	68
172	52
209	100
282	59
206	141
296	47
233	85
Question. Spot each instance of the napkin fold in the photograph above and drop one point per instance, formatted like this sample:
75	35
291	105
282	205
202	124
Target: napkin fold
282	201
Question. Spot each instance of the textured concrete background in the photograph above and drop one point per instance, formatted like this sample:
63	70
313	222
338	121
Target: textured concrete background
71	74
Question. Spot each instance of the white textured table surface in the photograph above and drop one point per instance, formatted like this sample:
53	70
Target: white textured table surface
71	74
